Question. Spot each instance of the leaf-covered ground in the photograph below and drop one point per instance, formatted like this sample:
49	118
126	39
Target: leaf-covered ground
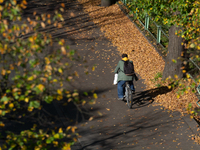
128	39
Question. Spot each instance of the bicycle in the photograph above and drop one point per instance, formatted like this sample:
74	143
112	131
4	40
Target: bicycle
128	95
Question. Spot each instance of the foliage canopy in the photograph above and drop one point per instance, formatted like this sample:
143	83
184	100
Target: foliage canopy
34	70
183	13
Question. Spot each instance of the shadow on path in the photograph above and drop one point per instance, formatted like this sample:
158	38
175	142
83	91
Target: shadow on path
142	128
145	98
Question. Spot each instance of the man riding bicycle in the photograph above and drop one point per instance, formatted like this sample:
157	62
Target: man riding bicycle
122	77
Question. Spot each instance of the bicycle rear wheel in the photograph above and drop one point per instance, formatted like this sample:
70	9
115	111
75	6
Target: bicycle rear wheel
129	96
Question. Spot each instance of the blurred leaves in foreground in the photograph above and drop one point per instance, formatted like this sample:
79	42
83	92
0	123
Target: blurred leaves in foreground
34	70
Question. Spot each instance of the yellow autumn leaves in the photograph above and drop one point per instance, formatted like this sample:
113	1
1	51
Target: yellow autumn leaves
63	50
32	77
59	91
11	105
30	84
73	128
95	96
4	47
41	87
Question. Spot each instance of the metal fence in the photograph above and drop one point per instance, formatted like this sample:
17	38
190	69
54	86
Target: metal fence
155	30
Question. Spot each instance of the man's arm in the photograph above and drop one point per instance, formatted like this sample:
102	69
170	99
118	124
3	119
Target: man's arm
117	68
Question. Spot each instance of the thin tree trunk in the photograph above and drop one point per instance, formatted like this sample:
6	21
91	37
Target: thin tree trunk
174	53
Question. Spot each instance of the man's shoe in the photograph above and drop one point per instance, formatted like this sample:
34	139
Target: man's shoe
120	99
133	92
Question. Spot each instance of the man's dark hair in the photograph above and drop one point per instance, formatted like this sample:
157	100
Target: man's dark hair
124	55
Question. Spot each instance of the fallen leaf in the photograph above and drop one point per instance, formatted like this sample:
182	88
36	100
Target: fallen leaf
91	118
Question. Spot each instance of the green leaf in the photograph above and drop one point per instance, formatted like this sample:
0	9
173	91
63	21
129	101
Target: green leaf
37	90
16	97
182	92
22	97
23	65
4	99
193	85
14	11
48	99
19	84
85	93
49	140
25	140
190	105
67	47
56	136
162	6
174	61
32	62
34	104
3	113
21	143
49	77
72	52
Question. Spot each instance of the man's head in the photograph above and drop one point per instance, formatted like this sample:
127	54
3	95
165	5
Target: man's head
124	55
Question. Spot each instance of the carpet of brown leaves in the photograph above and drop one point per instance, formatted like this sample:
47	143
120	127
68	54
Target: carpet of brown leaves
128	39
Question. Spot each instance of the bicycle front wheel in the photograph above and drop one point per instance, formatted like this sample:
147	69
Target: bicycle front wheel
129	96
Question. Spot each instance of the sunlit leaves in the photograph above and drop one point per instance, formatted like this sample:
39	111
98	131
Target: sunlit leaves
1	8
91	118
14	2
43	24
72	52
48	99
34	104
83	102
60	130
38	69
47	61
73	129
30	78
187	75
41	138
4	99
67	146
26	100
93	68
56	136
2	124
184	71
3	72
176	76
59	91
11	105
60	70
62	4
182	13
76	74
95	96
63	50
40	87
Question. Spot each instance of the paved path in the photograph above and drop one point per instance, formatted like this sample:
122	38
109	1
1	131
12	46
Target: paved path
115	126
